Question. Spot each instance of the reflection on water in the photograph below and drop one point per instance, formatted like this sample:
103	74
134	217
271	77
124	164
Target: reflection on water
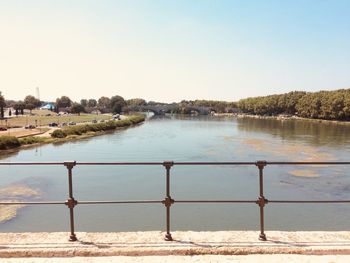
291	151
191	139
304	173
305	131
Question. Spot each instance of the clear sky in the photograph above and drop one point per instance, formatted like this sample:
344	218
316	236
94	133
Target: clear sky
167	50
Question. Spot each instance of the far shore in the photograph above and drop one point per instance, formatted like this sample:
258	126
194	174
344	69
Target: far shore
280	117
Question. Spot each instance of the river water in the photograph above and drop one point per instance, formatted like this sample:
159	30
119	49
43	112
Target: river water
190	139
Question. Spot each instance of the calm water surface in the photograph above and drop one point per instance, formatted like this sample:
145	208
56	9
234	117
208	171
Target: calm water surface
191	139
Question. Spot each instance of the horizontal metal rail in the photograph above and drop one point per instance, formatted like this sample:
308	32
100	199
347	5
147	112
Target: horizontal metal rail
33	203
168	201
215	201
120	202
121	163
28	163
307	163
176	201
308	201
175	163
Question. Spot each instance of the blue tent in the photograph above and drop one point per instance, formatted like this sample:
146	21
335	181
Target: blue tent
48	106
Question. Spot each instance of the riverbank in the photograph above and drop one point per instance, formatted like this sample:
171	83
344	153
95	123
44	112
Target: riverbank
280	117
44	118
185	243
11	144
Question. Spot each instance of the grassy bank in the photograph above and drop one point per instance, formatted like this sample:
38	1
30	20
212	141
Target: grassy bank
9	142
40	120
98	127
69	133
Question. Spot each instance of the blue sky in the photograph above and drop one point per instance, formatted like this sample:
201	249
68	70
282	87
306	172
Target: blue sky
172	50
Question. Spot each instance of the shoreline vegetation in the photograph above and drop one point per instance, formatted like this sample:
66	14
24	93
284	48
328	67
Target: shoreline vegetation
11	143
321	105
283	117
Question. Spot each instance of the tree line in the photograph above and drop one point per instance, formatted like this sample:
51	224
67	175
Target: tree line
184	107
328	105
115	104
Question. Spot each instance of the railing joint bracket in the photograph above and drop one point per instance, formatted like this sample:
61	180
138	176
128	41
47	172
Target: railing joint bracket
262	201
70	164
168	201
261	164
168	164
71	203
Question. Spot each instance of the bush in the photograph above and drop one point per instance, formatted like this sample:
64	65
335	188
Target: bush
123	123
30	140
58	134
9	142
137	119
102	126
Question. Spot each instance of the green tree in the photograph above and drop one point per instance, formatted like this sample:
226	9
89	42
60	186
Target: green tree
136	102
2	105
77	108
92	103
292	100
309	106
346	108
117	104
19	107
104	104
83	102
30	103
63	102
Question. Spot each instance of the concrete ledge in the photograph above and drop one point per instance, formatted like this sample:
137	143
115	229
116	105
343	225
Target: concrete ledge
185	243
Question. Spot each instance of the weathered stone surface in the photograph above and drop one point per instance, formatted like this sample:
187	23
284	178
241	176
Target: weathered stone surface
185	243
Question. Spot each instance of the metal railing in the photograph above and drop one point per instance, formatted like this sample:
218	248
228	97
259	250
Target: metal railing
168	201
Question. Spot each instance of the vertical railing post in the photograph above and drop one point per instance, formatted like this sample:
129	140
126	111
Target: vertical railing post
261	199
168	201
71	202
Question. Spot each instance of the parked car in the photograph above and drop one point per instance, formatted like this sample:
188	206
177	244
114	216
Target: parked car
64	124
29	127
53	124
94	121
2	128
72	123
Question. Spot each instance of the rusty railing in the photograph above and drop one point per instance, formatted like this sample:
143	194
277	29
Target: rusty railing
168	201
